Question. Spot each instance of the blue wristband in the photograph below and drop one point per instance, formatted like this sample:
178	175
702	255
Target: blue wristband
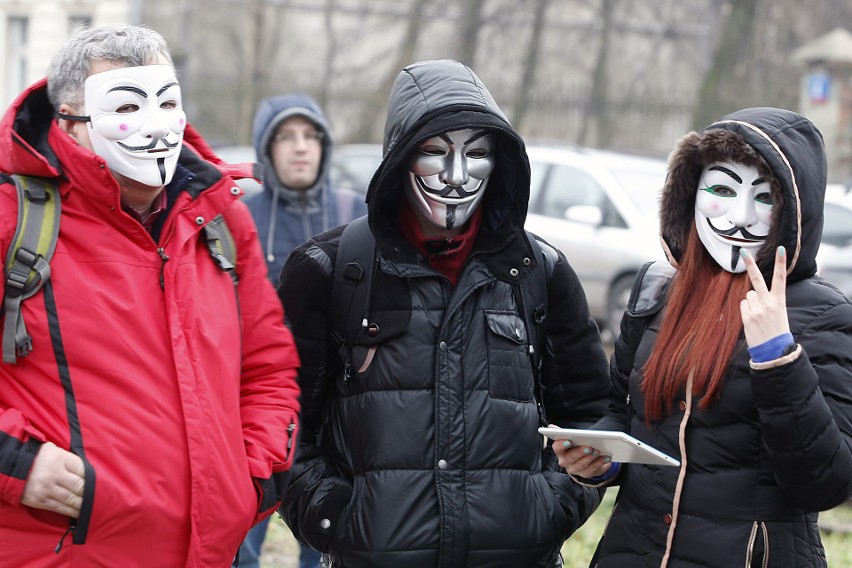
610	473
772	349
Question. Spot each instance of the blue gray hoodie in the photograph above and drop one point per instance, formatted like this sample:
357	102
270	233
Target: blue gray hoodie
286	218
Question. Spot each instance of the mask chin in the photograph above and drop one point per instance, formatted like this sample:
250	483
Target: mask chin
725	254
447	213
154	172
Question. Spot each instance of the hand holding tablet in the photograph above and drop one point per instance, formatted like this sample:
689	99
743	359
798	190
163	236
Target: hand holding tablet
620	446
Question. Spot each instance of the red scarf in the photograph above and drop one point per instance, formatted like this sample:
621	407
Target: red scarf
445	254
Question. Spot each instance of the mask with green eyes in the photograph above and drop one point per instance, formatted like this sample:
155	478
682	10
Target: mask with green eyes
733	211
448	174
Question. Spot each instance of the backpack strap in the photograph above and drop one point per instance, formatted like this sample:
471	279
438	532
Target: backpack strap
222	247
533	306
650	286
28	258
350	288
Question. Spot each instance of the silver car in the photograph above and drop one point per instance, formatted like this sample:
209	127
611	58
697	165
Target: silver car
600	208
834	259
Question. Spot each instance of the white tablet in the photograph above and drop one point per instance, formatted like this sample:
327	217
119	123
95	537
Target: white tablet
618	445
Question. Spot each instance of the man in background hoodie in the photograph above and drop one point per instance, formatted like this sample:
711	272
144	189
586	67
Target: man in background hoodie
293	141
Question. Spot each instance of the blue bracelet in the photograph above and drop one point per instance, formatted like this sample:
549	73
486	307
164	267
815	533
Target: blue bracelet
772	349
610	473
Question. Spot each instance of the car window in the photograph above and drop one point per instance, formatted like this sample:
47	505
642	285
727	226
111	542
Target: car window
837	225
567	186
538	173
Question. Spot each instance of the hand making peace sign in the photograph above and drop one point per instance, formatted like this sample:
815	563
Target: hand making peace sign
764	310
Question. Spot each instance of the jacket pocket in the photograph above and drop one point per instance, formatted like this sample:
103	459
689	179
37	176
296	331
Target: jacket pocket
509	368
340	539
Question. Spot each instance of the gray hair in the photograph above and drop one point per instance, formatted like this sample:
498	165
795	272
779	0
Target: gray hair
132	46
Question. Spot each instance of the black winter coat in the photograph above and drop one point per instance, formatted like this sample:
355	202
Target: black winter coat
774	450
429	456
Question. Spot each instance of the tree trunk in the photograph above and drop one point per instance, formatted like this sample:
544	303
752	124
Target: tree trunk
251	72
330	51
525	87
469	26
372	119
596	118
719	89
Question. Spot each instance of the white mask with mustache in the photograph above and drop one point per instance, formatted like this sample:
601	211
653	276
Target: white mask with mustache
137	121
733	211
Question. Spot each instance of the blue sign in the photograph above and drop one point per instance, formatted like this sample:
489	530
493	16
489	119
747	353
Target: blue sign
819	86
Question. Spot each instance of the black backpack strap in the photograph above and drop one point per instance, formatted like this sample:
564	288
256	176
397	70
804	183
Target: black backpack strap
650	286
221	244
533	305
350	289
27	263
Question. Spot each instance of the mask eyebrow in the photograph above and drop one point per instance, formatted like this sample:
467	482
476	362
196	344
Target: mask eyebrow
476	137
166	87
723	169
758	181
130	88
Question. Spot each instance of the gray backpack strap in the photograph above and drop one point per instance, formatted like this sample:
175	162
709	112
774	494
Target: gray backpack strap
28	258
221	244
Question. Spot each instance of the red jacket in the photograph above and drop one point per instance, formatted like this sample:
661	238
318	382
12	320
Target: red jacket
184	390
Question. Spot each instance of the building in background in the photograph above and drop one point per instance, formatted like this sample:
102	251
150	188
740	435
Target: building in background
31	31
826	96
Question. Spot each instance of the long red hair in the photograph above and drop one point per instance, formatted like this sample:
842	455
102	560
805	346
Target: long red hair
699	331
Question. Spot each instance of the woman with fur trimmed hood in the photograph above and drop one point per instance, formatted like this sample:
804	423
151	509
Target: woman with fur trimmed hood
736	359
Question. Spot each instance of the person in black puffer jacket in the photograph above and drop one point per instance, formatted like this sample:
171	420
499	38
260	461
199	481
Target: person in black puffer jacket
428	455
737	360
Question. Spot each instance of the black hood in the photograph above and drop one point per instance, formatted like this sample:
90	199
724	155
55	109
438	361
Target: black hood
785	147
432	97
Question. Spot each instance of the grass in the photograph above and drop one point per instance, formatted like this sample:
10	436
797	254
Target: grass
282	551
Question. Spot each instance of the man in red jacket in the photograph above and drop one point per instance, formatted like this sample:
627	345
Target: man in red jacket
154	421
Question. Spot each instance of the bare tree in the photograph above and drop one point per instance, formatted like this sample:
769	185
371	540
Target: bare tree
528	69
332	48
597	105
371	117
719	89
251	73
469	26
